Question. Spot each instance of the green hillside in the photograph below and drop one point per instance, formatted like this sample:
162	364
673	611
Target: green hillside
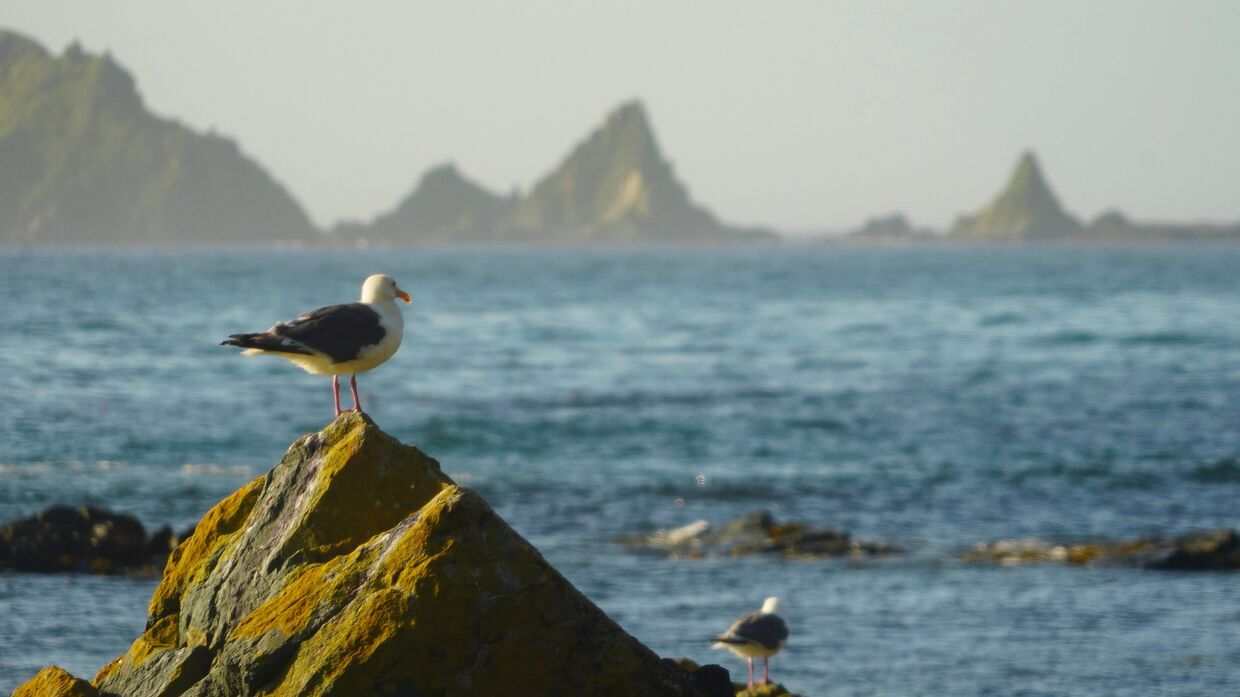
83	161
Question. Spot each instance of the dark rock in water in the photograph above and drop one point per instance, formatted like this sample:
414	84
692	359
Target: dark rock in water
1217	550
356	567
54	681
64	538
1207	551
717	682
757	533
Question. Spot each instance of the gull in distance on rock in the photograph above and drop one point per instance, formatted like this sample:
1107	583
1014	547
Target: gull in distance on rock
338	339
760	634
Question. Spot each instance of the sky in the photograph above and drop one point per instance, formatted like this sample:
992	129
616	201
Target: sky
807	116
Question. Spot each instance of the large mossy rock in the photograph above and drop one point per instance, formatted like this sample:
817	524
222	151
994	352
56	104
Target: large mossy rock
356	567
54	681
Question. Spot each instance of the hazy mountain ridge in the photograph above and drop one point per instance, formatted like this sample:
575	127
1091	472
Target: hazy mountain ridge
613	187
83	161
445	207
1027	210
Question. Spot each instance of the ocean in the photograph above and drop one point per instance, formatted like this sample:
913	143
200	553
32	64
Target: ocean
928	397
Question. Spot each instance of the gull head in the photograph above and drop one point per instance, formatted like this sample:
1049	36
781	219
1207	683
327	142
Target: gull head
382	288
771	606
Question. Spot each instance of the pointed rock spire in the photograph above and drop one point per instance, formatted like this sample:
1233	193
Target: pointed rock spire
1026	209
615	186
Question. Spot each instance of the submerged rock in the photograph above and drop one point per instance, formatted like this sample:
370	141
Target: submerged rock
757	533
356	567
82	538
1215	550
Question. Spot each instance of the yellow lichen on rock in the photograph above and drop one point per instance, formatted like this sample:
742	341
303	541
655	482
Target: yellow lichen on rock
356	567
54	681
193	559
360	488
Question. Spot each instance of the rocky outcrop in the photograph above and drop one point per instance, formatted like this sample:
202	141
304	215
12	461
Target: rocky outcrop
82	160
1025	211
719	682
54	681
444	208
616	187
890	229
1114	226
356	567
756	533
1216	550
83	538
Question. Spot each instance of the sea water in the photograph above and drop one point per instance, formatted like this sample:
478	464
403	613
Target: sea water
926	397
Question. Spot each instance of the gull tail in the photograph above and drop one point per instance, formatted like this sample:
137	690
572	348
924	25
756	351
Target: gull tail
264	342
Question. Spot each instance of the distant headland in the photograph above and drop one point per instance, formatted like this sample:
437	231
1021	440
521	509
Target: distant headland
1027	210
84	162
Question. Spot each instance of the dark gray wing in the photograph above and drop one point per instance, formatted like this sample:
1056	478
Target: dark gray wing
338	331
756	628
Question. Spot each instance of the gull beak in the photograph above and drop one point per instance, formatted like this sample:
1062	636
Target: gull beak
403	295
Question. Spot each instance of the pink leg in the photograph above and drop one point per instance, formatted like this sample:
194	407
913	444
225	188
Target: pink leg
336	392
751	674
766	676
357	403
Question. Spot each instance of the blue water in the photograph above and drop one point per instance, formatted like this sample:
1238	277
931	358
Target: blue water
931	398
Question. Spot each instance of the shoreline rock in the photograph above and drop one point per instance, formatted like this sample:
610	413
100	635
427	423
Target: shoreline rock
355	566
757	533
1214	550
85	539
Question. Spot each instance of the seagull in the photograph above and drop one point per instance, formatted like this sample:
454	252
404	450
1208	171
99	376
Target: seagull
753	635
338	339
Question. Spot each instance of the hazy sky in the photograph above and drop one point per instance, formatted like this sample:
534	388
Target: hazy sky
801	115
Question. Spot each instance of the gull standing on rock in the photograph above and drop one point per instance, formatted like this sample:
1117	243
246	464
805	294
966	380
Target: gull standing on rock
760	634
338	339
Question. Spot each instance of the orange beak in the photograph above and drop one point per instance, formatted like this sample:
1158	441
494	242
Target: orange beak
403	295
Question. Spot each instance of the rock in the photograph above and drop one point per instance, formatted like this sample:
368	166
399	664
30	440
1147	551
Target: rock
616	186
720	683
65	538
444	208
757	533
1026	210
1206	551
54	681
356	567
711	680
894	228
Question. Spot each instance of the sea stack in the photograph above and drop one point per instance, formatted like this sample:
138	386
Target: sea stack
615	186
1025	211
356	567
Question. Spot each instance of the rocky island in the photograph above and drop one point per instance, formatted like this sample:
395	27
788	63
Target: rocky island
355	566
615	187
83	161
1027	210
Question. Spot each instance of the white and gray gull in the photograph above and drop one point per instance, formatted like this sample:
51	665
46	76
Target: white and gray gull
338	339
760	634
